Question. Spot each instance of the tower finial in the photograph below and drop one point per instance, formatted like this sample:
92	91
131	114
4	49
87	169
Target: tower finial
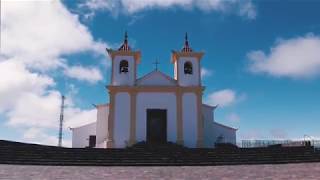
126	37
125	46
186	37
186	47
186	42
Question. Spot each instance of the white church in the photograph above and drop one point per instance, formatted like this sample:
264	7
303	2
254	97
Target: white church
155	108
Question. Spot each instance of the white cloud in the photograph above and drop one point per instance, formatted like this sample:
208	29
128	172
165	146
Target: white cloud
243	8
39	136
294	58
35	36
91	6
38	33
99	4
35	110
247	9
16	81
205	72
28	100
233	117
223	98
30	109
133	6
90	74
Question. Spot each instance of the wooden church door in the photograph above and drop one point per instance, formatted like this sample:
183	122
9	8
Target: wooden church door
156	126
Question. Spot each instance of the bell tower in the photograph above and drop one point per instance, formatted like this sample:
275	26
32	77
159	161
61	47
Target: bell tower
187	65
124	64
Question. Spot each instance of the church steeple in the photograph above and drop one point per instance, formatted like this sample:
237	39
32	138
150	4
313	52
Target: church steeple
124	64
187	66
186	47
125	46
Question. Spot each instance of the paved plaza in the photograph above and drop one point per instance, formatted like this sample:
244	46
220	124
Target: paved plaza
281	171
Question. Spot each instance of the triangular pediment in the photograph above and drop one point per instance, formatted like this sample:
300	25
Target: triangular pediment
156	78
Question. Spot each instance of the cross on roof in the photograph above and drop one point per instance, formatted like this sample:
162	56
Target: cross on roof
156	63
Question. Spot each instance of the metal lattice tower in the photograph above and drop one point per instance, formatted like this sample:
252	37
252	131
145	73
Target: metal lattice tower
0	27
61	120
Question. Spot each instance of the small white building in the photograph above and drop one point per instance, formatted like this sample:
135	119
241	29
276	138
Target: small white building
154	108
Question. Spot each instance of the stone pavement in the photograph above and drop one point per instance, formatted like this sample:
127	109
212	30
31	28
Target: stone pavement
281	171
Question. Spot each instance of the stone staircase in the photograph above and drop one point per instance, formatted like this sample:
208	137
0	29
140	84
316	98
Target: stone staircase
143	154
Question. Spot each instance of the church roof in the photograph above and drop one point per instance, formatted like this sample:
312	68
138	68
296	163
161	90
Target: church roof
82	126
156	78
125	46
209	106
222	125
186	47
100	105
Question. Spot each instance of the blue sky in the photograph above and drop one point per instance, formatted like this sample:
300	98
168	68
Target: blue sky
261	63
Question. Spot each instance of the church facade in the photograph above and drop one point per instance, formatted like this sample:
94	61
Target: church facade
154	108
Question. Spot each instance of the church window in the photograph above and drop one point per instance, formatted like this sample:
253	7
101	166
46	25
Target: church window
187	68
124	66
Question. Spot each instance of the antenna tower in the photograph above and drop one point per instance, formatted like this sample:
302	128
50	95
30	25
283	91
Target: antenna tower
61	120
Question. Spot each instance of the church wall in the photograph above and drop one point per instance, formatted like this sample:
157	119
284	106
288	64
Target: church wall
228	134
207	112
189	118
208	127
189	79
102	123
81	135
123	78
121	120
212	130
156	101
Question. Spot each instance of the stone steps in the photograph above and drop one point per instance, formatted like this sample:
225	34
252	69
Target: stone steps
151	155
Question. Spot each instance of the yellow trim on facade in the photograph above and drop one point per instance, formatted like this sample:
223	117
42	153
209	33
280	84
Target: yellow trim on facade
200	123
176	55
133	90
112	73
199	73
133	97
179	118
135	73
183	89
135	54
110	139
178	73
